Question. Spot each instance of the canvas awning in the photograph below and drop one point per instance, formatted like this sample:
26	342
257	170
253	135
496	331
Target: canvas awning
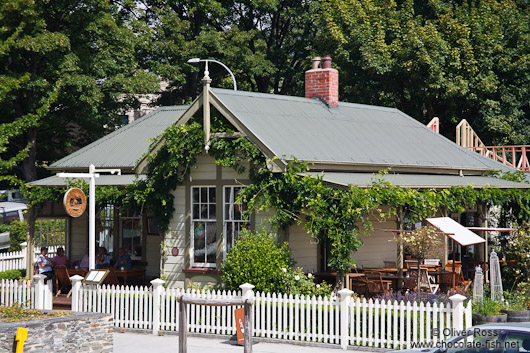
456	231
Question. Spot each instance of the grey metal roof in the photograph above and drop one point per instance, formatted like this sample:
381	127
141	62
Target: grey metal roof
420	181
352	133
123	147
124	179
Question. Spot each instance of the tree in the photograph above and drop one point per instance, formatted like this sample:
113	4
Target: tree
451	59
70	68
420	243
265	43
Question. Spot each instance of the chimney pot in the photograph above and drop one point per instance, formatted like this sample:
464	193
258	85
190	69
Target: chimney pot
315	63
326	62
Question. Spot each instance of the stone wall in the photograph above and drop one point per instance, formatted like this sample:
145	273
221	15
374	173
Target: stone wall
80	332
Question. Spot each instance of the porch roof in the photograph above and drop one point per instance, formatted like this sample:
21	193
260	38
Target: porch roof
124	179
420	181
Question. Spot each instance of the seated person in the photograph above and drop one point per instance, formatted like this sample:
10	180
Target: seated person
85	261
102	260
60	259
46	267
124	260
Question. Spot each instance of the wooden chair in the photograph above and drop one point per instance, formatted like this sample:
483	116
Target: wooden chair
411	264
112	279
63	280
358	285
375	284
390	264
426	282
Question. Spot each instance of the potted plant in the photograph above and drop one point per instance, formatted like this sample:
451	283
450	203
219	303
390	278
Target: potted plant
517	303
488	311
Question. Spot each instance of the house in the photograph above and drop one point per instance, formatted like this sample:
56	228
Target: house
345	143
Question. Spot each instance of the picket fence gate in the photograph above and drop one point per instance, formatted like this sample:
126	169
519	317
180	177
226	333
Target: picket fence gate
342	319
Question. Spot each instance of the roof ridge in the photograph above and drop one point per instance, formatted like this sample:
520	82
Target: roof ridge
298	98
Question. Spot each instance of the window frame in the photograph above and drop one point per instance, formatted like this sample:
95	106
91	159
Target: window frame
225	220
192	220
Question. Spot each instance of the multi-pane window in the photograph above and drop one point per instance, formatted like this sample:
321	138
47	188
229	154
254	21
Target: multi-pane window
203	227
234	220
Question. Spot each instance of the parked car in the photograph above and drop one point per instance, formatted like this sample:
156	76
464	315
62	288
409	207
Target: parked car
9	212
490	338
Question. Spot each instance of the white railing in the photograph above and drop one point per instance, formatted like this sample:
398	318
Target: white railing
17	292
340	320
16	260
32	295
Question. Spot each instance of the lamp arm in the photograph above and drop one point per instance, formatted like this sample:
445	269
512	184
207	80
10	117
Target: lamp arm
227	69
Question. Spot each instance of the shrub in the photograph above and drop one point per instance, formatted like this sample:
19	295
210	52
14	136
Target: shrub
258	259
487	307
516	248
10	274
18	234
297	282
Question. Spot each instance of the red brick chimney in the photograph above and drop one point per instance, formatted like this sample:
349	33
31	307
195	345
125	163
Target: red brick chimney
323	82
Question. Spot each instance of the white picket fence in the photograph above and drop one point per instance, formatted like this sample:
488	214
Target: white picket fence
16	260
17	292
339	320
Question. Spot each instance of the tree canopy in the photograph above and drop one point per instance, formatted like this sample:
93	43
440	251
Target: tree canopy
70	67
451	59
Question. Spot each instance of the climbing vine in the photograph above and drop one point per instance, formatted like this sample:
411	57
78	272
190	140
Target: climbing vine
334	216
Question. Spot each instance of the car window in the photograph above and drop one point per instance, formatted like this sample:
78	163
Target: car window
517	342
9	217
480	342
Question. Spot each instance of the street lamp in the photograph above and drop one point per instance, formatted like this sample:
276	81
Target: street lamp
207	73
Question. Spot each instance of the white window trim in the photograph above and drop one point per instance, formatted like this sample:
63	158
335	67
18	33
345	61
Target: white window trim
224	218
192	241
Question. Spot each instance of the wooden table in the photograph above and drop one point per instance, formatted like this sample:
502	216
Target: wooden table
394	279
124	274
382	270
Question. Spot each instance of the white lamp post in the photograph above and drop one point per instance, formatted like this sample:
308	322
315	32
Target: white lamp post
92	175
207	73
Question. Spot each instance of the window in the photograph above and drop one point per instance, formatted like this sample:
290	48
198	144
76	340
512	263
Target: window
131	236
105	228
517	342
203	226
50	232
234	220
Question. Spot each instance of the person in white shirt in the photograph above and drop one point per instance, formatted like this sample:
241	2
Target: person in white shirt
46	267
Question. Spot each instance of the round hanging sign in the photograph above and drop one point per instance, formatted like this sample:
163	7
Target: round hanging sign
75	202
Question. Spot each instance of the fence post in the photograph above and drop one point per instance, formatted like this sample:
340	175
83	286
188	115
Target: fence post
458	311
247	291
76	289
39	291
23	264
345	295
158	288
